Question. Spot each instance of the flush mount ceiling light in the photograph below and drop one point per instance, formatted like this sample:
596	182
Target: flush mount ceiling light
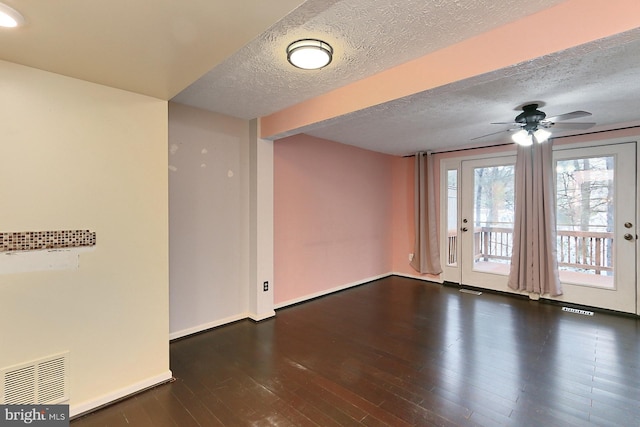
9	17
309	54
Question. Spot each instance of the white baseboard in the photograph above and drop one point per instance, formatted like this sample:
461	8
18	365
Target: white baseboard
329	291
208	325
75	410
423	278
257	318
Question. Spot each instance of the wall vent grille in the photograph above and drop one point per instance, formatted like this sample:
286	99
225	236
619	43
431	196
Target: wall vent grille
577	311
470	291
42	381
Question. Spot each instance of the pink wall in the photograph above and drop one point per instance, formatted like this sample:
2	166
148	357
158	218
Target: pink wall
341	215
403	214
332	216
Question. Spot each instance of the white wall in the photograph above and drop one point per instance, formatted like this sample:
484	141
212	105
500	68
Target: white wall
77	155
261	221
208	219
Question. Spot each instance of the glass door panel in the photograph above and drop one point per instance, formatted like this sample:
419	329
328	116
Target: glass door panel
452	218
585	213
493	213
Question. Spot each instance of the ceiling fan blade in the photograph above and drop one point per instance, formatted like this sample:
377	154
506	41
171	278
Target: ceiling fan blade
578	125
493	133
507	123
568	116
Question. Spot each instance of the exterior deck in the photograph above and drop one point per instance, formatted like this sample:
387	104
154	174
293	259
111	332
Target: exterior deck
584	257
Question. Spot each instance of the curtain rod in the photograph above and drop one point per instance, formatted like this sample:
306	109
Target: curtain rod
455	150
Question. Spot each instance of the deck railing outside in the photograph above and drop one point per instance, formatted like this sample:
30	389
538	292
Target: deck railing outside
584	251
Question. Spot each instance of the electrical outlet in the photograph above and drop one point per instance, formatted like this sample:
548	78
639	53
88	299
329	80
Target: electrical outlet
265	286
410	257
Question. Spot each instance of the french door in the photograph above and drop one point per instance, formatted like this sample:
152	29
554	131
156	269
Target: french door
477	220
596	217
487	214
596	211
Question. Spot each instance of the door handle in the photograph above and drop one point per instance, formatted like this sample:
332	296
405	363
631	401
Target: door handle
628	236
466	229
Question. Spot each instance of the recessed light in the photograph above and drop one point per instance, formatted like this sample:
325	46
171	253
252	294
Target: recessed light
9	17
309	54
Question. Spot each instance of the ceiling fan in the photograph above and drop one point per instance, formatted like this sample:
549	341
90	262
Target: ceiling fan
532	124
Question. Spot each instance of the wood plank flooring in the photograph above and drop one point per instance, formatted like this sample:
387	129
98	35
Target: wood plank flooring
400	352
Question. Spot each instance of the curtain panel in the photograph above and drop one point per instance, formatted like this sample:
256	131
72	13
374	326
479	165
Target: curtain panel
534	264
426	250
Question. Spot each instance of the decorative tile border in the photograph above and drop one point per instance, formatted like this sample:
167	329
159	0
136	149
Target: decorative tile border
35	240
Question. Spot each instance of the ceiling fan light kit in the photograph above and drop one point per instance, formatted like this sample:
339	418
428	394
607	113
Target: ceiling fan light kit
526	138
309	54
522	137
542	135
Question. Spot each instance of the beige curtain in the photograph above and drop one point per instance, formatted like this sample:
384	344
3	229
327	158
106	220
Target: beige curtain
534	264
426	257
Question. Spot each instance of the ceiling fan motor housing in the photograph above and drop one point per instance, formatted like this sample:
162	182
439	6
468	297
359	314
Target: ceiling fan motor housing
530	117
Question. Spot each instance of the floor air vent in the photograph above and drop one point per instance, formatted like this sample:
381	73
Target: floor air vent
470	291
42	381
575	310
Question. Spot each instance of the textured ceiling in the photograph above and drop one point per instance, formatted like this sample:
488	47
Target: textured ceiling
602	77
229	57
367	37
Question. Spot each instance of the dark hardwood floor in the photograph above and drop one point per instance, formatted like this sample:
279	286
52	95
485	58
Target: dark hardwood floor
400	352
